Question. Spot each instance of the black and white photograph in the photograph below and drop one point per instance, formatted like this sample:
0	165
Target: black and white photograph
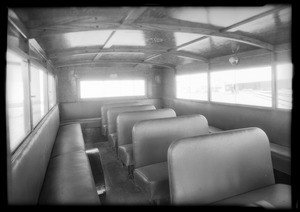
150	105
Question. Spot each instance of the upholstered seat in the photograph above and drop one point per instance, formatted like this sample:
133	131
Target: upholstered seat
231	167
69	181
126	154
125	123
104	109
151	140
153	179
69	138
273	196
112	114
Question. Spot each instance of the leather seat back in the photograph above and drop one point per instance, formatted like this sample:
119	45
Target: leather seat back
126	121
209	168
105	107
112	114
151	138
30	161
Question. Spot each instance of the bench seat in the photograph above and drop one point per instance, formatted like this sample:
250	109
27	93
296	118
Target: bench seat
69	139
274	196
151	140
153	180
281	155
281	158
69	180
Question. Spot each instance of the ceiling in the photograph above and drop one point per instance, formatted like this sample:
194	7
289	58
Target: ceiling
157	36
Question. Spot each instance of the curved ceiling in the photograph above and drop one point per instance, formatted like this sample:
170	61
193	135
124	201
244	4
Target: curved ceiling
152	35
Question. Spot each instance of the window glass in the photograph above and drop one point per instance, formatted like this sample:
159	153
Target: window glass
284	85
244	86
223	86
253	86
51	91
17	99
112	88
38	87
192	86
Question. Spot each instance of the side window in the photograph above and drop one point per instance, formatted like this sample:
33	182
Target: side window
51	90
112	88
284	85
38	87
17	99
192	86
243	86
223	86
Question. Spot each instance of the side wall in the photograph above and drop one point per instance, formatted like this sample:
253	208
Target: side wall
275	122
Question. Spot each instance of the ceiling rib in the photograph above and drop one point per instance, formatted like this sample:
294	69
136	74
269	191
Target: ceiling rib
155	51
171	25
246	21
234	37
114	61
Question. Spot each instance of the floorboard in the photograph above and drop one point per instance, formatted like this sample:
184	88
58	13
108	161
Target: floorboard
120	190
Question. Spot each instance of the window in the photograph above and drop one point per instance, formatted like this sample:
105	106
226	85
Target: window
51	90
112	88
192	86
284	85
222	86
38	85
17	99
253	86
245	86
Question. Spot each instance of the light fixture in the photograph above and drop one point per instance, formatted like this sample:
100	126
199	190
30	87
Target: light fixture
234	60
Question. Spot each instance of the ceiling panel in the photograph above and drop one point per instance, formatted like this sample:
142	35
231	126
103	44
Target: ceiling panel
274	29
217	16
35	17
73	40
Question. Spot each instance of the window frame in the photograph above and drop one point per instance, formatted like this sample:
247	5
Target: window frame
79	98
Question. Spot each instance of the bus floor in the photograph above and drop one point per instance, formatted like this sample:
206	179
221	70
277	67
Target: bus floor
120	190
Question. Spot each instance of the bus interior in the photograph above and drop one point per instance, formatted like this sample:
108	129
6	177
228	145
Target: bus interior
150	106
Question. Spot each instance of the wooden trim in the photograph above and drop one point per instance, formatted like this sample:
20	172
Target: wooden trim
113	61
17	23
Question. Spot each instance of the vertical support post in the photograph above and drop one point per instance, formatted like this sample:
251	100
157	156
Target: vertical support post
208	82
30	99
274	77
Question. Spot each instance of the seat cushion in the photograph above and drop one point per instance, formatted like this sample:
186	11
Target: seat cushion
126	154
153	180
69	180
113	139
273	196
69	139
